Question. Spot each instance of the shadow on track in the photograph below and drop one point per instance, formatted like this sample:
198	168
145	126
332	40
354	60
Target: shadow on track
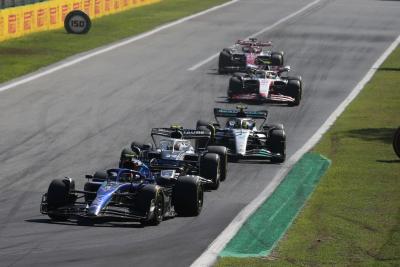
250	103
384	135
388	161
90	223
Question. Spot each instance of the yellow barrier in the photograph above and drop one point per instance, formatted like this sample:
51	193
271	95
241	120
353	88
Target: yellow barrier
18	21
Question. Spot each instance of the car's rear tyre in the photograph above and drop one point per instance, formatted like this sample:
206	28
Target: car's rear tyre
202	123
210	169
137	147
224	60
278	126
158	213
188	196
396	142
294	90
299	78
206	126
277	144
146	196
277	59
223	157
202	143
59	195
235	86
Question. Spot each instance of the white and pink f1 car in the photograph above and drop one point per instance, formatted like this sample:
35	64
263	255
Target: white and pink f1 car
258	85
245	52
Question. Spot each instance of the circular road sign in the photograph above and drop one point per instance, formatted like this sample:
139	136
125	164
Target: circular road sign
77	22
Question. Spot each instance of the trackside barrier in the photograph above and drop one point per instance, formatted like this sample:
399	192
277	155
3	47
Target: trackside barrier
22	20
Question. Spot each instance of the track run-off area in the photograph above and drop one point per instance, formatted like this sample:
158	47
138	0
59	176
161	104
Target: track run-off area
75	120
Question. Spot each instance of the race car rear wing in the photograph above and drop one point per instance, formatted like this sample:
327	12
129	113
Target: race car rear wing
181	133
240	113
253	42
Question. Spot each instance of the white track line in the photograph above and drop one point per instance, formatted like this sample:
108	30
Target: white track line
270	27
209	256
32	77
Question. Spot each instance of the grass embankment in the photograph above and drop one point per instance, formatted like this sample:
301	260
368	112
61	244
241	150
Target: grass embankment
353	217
23	55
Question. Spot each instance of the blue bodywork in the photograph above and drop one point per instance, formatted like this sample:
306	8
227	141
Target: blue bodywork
117	183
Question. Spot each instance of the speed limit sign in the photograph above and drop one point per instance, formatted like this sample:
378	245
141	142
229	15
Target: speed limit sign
77	22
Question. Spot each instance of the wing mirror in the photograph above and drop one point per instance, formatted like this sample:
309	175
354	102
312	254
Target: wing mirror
286	68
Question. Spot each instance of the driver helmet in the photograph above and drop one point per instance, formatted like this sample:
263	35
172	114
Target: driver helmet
112	176
246	49
126	177
136	164
133	164
256	49
177	146
230	123
233	123
247	124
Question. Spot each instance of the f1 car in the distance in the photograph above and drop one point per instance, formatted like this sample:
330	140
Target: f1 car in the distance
265	85
173	150
238	56
243	138
125	193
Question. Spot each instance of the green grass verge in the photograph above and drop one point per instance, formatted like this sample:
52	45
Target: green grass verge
353	217
26	54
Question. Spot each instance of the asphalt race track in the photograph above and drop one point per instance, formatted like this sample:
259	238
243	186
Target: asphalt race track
76	120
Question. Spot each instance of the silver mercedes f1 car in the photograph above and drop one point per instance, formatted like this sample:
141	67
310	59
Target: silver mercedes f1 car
243	138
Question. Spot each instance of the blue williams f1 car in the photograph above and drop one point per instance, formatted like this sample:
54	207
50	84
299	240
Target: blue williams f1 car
133	194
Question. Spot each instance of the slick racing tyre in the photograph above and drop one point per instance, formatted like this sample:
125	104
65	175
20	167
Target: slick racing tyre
235	86
206	126
297	78
210	169
294	90
224	61
202	123
187	196
58	195
202	143
223	157
277	59
396	142
137	147
277	126
146	197
277	144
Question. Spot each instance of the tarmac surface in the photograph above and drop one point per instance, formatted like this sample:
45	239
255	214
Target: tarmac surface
77	120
